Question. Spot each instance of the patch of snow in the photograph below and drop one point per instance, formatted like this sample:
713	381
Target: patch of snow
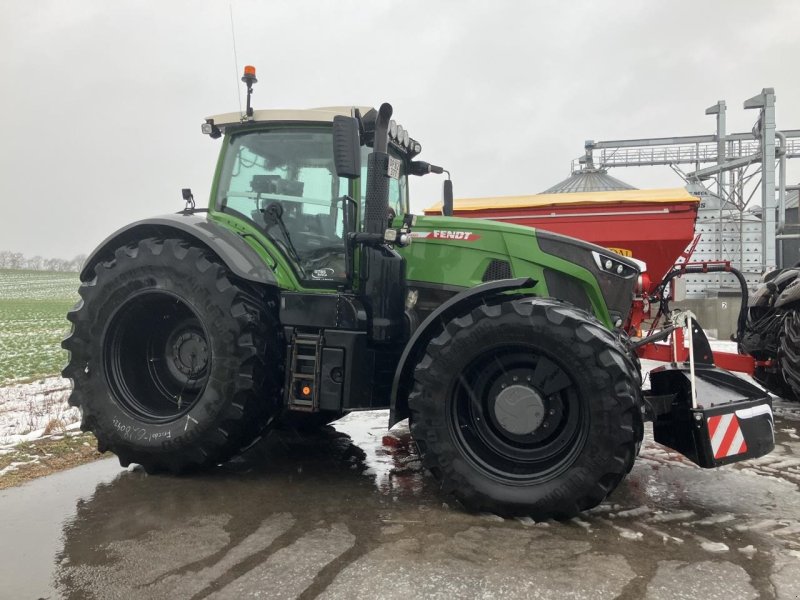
793	530
786	463
633	512
667	517
716	547
600	509
492	517
16	465
26	409
629	534
665	537
581	523
749	551
761	525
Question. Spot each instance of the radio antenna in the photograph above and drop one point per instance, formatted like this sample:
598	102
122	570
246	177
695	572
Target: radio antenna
235	59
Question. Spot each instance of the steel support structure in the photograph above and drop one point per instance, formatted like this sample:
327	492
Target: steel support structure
765	127
733	154
719	109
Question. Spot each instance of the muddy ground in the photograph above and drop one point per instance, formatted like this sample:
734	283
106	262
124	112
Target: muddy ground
340	515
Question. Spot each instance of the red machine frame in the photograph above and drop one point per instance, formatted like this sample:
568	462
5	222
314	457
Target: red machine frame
675	350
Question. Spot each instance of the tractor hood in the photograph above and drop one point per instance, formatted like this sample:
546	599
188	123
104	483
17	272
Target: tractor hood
454	252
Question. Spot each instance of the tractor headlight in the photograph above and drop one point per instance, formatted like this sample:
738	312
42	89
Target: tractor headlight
613	265
208	128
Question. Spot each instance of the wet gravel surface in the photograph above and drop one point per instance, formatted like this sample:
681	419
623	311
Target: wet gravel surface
341	515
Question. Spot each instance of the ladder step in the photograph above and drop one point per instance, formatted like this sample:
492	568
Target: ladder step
304	363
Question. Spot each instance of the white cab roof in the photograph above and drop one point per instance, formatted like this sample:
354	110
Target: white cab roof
323	114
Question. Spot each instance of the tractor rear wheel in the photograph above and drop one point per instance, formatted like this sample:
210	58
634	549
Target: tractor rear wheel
789	355
174	363
528	407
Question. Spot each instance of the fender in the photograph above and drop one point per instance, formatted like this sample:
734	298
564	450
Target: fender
459	304
229	247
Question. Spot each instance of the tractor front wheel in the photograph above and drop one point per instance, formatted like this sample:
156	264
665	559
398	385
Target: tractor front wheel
789	355
528	407
174	363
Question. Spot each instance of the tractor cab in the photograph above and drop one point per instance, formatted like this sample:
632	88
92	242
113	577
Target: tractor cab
278	174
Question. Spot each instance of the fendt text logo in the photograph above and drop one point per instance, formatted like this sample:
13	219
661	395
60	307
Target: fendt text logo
447	234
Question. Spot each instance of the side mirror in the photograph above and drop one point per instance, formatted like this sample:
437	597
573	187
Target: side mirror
346	147
420	168
447	202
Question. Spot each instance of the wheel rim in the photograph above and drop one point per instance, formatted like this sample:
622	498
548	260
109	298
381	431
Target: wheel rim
156	357
517	415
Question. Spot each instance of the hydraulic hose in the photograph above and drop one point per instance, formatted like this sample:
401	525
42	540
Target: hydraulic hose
692	269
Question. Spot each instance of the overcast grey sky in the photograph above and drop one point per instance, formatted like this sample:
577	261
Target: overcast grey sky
102	101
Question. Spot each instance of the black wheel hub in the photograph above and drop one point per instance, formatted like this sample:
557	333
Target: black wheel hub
518	415
186	354
156	356
519	409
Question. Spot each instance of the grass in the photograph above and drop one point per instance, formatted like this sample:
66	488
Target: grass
33	308
46	456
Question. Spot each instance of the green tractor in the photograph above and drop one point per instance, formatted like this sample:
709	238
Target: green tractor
299	296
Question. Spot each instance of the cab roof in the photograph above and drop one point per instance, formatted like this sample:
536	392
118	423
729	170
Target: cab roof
324	114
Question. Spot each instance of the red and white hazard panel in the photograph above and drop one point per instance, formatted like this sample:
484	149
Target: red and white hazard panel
726	436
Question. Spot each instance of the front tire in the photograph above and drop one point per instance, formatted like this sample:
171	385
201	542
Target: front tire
528	407
174	363
789	355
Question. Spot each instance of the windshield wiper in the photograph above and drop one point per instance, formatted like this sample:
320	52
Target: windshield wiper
273	215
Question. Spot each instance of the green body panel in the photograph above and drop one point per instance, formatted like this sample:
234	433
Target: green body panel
272	256
435	258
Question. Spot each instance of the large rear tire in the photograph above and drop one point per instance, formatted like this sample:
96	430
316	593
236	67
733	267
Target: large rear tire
174	363
529	407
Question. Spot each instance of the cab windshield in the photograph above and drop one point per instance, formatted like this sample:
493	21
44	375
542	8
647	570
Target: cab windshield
285	181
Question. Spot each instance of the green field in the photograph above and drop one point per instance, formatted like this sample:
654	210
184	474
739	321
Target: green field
33	307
